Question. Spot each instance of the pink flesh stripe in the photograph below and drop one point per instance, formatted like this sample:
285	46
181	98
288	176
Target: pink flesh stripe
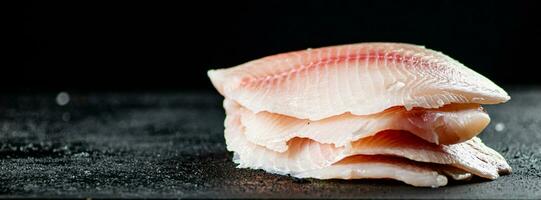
372	56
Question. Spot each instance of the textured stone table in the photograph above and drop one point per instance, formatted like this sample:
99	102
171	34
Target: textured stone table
172	145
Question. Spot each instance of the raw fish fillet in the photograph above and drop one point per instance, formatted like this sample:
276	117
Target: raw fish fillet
249	155
369	110
362	79
450	124
357	167
410	172
307	155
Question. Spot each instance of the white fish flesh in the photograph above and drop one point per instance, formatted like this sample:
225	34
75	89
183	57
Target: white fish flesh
368	110
453	123
305	154
362	79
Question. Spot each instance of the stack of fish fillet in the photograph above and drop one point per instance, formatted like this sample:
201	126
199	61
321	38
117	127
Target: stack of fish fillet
368	110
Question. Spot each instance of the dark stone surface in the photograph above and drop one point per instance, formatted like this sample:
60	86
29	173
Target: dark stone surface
172	145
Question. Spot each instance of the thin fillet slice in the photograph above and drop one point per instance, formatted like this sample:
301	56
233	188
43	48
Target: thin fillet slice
472	156
305	154
362	79
361	167
450	124
376	166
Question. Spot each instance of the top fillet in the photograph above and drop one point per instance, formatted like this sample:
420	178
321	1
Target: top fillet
362	79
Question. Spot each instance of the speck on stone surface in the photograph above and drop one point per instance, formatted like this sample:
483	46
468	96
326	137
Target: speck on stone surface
62	98
499	127
66	116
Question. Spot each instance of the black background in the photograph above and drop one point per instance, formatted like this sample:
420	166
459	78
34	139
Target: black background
155	45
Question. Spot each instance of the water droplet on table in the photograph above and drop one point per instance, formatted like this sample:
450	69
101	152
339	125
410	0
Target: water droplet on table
62	98
499	127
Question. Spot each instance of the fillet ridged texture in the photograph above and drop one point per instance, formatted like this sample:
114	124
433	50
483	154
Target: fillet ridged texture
447	125
306	155
362	79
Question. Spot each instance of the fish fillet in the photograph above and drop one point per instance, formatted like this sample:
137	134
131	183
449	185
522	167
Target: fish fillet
453	123
249	155
305	154
362	79
368	110
413	173
357	167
